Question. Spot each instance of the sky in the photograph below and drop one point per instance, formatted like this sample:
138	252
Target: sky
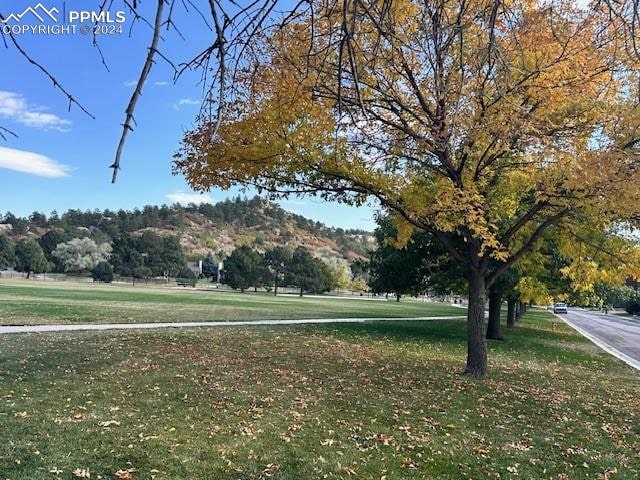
61	156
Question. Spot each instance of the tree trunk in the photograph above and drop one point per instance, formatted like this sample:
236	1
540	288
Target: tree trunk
476	341
28	274
511	312
301	290
275	289
518	310
398	297
495	305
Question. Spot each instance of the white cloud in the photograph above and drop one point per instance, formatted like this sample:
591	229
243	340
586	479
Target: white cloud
185	101
161	84
32	163
15	107
190	197
130	83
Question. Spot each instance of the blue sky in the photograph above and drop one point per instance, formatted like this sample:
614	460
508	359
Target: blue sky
61	157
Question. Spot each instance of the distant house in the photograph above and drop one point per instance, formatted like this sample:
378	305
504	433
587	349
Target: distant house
195	267
5	227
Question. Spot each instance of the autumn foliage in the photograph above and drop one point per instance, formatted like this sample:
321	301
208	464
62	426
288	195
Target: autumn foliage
485	123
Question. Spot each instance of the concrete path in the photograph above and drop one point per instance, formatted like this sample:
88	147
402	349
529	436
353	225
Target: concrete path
618	336
131	326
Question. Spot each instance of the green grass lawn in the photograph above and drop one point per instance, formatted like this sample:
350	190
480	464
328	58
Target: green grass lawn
361	401
24	302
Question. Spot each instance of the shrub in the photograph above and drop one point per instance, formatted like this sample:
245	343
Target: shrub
102	272
633	307
186	277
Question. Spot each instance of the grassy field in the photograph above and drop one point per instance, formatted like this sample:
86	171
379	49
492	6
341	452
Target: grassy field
31	302
362	401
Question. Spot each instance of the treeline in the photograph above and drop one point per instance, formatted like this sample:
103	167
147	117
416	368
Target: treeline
280	266
108	225
139	256
422	265
150	255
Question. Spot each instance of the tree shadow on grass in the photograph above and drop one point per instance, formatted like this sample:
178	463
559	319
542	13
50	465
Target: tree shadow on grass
532	337
434	331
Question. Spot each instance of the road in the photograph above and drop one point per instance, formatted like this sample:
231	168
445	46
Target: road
130	326
616	335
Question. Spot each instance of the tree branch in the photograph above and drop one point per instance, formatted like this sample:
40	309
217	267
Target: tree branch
127	125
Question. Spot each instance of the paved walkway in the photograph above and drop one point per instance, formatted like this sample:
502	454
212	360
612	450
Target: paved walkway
131	326
618	336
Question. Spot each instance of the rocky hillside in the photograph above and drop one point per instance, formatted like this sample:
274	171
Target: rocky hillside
204	228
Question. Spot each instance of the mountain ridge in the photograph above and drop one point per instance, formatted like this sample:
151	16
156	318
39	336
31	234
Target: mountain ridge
205	228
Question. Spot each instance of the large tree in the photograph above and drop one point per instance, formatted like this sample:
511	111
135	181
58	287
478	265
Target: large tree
244	268
484	123
403	269
307	273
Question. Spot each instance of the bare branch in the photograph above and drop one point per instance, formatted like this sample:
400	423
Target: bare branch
45	71
127	125
4	131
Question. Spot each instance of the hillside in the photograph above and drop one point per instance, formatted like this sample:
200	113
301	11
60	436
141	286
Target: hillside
204	228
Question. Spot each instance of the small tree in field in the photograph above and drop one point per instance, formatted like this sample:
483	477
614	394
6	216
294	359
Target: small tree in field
276	260
325	278
102	272
185	276
210	267
30	258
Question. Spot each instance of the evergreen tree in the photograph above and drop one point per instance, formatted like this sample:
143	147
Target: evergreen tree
307	273
210	267
102	272
30	257
49	241
244	268
7	252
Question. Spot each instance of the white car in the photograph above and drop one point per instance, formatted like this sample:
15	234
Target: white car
560	308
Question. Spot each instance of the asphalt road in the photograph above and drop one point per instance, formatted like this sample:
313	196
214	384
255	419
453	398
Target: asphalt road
617	335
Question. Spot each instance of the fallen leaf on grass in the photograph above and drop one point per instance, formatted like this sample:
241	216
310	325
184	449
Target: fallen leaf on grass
110	423
270	469
349	471
480	449
409	463
125	474
82	473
